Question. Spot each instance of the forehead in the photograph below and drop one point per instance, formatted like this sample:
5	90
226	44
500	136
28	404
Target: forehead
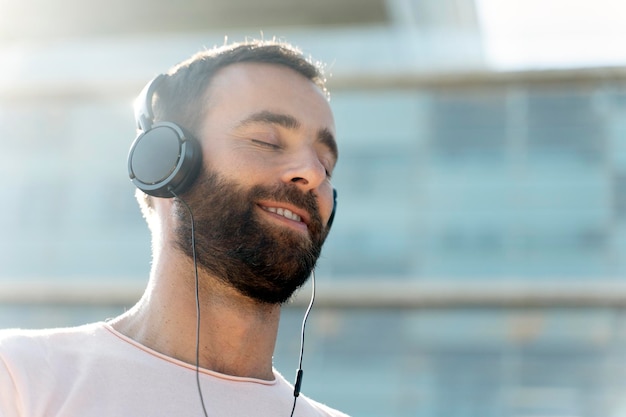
242	89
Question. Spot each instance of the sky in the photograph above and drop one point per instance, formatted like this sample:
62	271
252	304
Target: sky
553	33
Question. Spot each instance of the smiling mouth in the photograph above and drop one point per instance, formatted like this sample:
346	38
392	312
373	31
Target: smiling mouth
288	214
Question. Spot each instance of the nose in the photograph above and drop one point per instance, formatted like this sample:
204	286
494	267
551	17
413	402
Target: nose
306	171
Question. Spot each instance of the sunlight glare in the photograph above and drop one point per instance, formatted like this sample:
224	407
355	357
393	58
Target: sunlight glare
556	33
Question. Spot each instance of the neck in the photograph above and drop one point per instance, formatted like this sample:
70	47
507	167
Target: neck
237	335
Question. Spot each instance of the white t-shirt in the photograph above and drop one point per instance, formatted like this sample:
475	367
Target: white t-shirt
94	371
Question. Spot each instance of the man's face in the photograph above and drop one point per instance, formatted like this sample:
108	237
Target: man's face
263	201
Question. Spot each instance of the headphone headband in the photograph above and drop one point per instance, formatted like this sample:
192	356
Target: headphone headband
143	105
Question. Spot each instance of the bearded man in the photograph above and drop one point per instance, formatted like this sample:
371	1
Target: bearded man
238	214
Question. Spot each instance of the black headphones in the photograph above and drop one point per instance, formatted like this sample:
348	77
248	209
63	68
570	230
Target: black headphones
164	160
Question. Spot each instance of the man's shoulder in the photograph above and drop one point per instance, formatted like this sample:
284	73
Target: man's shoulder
28	341
323	410
306	405
48	333
38	367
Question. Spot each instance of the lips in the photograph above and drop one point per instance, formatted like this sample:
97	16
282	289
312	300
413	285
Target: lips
292	213
283	212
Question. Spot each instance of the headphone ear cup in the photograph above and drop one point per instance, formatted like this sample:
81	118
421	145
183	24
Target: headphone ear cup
164	161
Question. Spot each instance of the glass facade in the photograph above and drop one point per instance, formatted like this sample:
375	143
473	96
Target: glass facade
482	182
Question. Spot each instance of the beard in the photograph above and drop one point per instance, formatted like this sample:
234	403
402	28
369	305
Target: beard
263	261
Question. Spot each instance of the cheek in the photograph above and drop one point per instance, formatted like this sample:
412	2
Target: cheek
326	203
229	165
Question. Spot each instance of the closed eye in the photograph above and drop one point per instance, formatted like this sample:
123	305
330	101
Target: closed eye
265	144
328	166
328	171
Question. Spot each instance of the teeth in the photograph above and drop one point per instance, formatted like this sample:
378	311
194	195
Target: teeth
284	212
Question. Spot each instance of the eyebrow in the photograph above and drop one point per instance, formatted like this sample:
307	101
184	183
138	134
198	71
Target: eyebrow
324	135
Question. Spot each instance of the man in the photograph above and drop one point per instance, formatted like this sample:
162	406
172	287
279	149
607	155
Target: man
232	240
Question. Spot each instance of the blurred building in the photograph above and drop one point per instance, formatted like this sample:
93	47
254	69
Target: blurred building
486	209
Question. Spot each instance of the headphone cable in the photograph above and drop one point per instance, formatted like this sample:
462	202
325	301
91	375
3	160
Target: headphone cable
298	384
197	293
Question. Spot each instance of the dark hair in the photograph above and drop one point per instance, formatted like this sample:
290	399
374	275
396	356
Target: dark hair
182	96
